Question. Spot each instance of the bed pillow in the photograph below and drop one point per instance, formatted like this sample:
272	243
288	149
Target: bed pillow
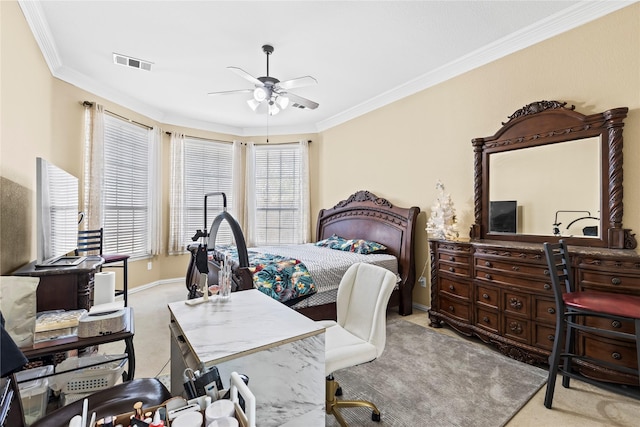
359	246
333	242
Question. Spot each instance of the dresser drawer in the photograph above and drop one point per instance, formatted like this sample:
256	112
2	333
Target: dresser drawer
500	278
516	303
517	268
609	281
620	353
516	328
462	270
487	295
457	309
544	309
454	257
452	287
487	319
543	336
614	325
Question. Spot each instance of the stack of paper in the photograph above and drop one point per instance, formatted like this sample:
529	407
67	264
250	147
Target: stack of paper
51	325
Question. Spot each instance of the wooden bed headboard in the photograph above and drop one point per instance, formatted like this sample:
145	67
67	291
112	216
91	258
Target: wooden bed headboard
366	216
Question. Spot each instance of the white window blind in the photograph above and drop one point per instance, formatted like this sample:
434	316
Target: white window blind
60	197
278	194
207	169
127	154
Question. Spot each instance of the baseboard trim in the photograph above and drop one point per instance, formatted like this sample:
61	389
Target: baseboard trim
154	284
420	307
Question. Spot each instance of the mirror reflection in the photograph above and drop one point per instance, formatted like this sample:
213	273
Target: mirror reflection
549	190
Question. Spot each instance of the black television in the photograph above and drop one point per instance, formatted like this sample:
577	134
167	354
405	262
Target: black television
503	216
56	216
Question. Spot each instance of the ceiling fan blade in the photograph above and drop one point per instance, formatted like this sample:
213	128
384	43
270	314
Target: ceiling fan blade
301	102
299	82
231	92
242	73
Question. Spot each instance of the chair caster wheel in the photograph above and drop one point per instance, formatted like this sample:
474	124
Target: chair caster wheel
339	391
375	417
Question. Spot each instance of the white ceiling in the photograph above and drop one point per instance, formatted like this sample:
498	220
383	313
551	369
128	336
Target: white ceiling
363	54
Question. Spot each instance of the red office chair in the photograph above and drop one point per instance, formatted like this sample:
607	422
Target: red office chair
577	312
90	243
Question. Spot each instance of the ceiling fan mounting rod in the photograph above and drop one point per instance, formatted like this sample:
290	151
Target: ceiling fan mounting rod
268	49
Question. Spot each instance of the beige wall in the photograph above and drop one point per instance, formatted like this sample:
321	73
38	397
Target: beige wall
397	152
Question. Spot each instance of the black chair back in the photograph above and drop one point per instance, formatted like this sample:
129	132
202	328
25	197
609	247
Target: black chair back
90	242
560	271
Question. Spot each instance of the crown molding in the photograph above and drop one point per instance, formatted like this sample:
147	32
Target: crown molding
575	16
40	29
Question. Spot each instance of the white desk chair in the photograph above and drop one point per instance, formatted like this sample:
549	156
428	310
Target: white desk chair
360	334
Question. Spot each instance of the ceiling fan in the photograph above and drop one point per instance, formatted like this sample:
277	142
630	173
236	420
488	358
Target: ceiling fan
270	94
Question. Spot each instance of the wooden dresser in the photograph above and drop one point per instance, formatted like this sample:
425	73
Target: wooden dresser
501	292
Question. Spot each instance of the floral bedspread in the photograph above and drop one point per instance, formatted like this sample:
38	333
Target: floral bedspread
281	278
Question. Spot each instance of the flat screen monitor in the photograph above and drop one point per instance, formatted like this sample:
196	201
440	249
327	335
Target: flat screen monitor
56	216
503	216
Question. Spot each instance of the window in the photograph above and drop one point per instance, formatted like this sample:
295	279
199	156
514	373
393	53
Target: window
207	169
127	191
279	189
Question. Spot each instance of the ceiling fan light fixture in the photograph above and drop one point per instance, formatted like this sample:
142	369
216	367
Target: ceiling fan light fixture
253	104
260	94
282	101
273	109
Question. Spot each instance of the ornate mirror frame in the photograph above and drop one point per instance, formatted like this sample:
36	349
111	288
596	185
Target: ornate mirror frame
549	122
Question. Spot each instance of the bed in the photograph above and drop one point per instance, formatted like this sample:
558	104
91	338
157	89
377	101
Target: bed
364	216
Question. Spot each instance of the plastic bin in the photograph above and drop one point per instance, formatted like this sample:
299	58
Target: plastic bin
89	379
35	393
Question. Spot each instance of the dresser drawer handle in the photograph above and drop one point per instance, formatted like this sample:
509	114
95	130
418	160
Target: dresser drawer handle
515	303
487	276
515	327
616	324
485	296
452	309
452	258
551	310
452	288
547	286
551	337
616	356
487	264
451	269
515	268
546	272
616	281
485	319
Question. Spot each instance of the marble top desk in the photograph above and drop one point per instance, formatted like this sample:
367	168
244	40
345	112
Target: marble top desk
280	350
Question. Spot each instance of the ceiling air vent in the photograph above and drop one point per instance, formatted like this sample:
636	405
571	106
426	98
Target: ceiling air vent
128	61
296	105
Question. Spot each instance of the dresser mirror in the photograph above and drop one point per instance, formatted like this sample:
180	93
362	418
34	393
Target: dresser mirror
520	179
551	172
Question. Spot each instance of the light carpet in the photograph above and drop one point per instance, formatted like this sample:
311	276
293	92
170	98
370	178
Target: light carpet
425	378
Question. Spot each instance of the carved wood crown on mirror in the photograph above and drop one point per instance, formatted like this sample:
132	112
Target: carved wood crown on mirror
550	122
